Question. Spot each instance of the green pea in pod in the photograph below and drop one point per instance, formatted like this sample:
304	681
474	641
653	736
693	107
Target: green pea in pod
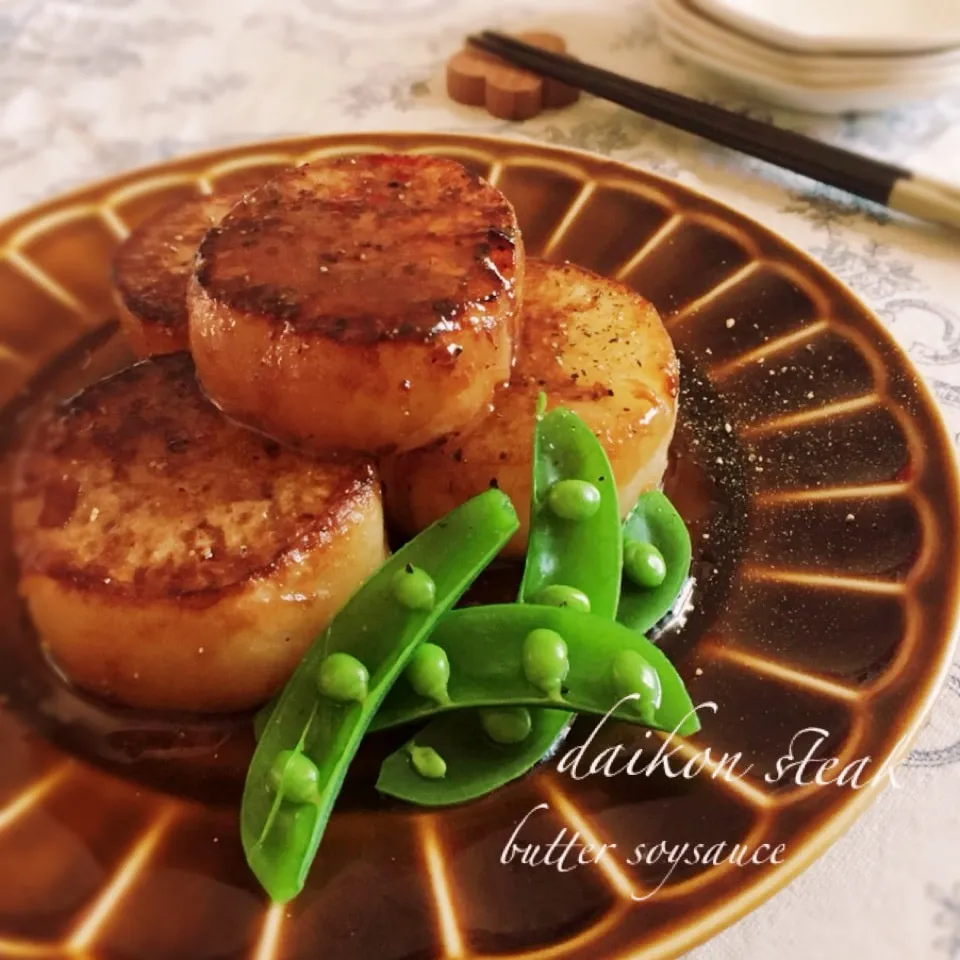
653	522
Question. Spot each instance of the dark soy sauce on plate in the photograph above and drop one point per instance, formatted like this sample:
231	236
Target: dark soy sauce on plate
205	756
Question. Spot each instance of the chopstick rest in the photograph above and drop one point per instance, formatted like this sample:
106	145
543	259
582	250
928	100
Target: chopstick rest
480	79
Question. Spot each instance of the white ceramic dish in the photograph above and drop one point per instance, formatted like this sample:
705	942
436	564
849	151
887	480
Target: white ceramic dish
844	25
813	69
822	100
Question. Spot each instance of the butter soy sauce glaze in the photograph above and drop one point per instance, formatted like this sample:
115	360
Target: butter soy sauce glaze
205	757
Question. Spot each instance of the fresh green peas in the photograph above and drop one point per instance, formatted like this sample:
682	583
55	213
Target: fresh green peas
506	724
644	563
280	842
545	661
560	595
428	763
295	776
586	556
654	520
343	678
429	672
414	588
573	499
633	674
486	645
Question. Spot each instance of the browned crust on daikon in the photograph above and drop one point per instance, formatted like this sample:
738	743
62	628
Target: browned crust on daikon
152	268
142	459
588	343
173	560
366	304
363	249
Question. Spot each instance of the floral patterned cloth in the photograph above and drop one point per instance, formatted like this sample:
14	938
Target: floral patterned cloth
91	87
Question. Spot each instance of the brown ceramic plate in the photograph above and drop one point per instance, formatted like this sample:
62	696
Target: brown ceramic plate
823	501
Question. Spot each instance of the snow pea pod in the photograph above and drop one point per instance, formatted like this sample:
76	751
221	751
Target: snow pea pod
586	554
654	520
311	736
476	765
574	542
486	646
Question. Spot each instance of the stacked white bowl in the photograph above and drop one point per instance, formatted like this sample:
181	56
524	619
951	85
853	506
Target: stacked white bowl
825	56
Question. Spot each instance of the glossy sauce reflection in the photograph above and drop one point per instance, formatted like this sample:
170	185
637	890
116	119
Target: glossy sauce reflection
205	757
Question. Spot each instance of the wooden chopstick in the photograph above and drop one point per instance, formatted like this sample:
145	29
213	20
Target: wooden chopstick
885	183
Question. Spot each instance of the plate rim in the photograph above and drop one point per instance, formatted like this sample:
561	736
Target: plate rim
826	42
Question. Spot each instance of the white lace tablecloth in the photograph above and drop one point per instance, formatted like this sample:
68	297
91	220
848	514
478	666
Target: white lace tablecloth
90	87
